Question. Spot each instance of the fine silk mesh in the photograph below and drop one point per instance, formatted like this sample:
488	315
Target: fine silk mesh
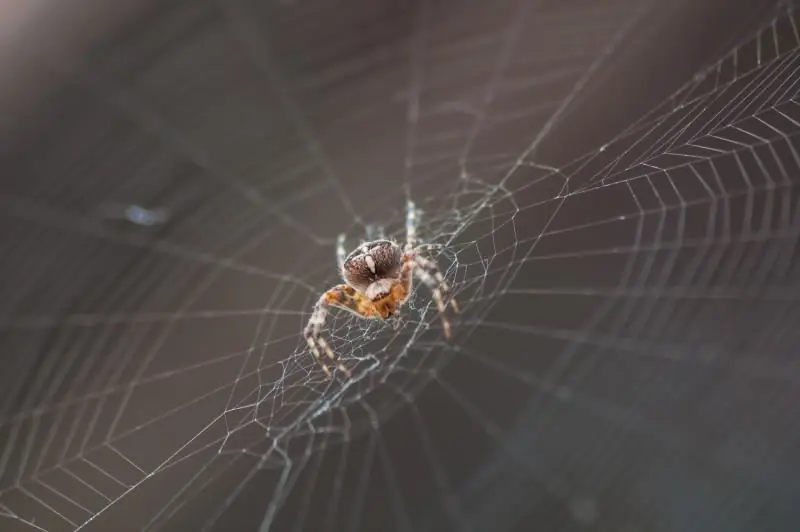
626	354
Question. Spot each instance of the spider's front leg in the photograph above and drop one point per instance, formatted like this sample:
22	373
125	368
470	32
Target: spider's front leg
342	296
313	331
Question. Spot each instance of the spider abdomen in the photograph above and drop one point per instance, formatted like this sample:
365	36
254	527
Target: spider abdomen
371	262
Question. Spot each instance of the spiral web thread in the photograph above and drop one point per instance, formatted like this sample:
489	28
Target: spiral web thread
694	207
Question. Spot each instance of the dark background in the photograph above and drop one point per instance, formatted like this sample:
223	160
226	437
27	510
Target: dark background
626	355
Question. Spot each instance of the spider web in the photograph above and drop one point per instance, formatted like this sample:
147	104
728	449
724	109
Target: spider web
624	356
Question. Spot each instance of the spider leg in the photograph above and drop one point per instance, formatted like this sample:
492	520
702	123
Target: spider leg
412	216
313	331
432	269
426	278
318	346
428	272
344	297
341	253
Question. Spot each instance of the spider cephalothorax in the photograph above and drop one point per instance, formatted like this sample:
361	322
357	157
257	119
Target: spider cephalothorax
378	279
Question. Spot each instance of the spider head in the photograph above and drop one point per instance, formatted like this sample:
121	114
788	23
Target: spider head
372	262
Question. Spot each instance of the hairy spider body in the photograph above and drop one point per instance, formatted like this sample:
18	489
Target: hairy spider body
378	278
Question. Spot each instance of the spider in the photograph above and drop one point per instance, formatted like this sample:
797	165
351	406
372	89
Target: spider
377	282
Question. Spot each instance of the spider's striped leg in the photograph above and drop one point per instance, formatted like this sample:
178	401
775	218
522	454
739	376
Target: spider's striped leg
428	272
438	281
340	295
341	253
313	338
315	350
412	218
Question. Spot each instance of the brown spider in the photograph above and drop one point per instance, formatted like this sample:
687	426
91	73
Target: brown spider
378	281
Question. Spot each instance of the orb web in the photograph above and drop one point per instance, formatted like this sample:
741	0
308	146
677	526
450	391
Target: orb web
639	291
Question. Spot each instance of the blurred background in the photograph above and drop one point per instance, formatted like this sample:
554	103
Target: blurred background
610	186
